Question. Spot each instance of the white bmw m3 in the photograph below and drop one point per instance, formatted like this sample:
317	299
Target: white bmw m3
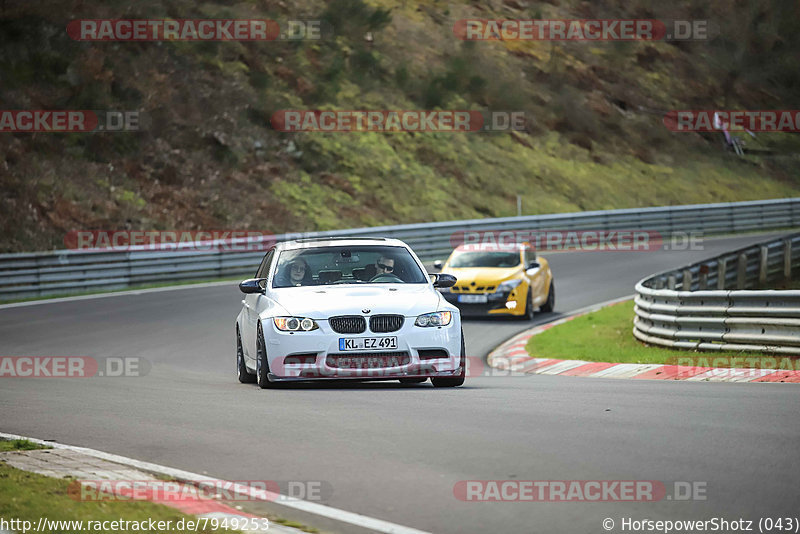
347	308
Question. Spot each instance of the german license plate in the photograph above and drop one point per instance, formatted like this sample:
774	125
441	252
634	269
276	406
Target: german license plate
367	343
473	299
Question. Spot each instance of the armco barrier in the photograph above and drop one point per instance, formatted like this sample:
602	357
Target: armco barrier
720	304
70	271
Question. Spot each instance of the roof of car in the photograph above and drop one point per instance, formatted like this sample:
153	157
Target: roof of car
339	241
492	247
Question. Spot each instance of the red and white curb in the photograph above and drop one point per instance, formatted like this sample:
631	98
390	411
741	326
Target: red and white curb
219	510
513	356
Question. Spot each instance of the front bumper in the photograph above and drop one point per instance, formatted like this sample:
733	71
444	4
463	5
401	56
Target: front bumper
496	304
422	352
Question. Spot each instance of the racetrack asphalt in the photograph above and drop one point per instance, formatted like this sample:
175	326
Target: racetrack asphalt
395	451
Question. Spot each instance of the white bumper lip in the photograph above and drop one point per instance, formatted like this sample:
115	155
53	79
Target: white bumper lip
324	342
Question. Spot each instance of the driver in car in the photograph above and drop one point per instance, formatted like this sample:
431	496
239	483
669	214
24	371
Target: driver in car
384	265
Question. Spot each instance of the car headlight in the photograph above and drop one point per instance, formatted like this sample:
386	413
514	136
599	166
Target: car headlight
441	318
295	324
509	285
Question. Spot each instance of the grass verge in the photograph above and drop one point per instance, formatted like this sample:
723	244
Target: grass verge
20	445
606	336
29	497
35	483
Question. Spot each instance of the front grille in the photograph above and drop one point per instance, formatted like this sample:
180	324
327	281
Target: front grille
386	323
367	360
348	324
468	289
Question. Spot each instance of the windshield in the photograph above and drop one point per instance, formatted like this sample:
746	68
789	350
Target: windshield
319	266
485	259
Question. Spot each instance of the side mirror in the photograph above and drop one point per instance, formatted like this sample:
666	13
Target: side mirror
252	285
534	265
437	264
444	280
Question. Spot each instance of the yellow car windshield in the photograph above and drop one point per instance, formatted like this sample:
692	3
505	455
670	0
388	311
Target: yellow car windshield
485	259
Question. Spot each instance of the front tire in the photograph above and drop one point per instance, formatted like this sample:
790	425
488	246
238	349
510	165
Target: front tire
454	381
262	363
244	376
550	305
528	315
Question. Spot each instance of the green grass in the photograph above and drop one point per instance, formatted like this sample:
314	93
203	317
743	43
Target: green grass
33	497
606	336
294	524
28	497
20	445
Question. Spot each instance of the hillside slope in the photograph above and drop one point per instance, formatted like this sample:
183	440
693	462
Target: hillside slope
208	158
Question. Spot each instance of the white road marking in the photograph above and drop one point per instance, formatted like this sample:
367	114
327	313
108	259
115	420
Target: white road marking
46	300
378	525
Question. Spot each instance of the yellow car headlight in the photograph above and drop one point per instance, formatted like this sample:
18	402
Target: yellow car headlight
509	285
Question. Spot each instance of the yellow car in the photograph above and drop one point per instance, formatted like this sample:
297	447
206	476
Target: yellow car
499	280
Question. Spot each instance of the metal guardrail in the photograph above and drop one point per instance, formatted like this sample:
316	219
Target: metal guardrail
719	304
72	271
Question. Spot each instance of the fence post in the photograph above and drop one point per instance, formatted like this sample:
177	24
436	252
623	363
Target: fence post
787	259
762	267
671	282
741	273
722	270
702	282
687	280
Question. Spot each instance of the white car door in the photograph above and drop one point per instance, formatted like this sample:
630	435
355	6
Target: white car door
251	305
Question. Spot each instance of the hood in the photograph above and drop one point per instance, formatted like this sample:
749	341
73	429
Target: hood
321	302
482	276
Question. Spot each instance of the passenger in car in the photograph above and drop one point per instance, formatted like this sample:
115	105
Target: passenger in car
295	273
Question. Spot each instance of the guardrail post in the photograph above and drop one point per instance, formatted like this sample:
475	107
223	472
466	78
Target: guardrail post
762	266
787	259
671	281
741	273
702	282
687	280
722	270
